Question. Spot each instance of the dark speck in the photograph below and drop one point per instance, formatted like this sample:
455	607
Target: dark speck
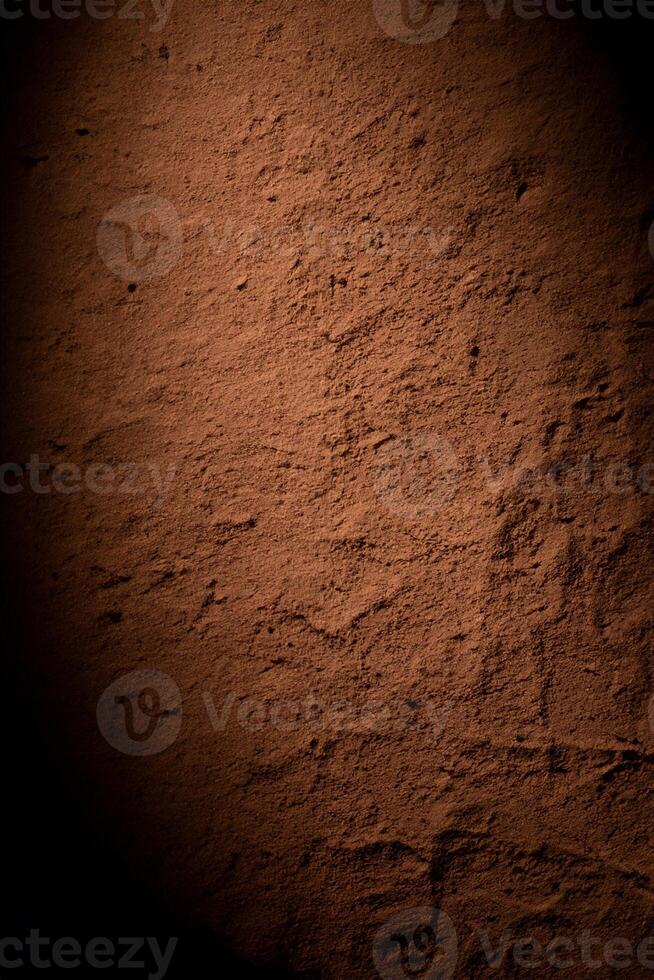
110	618
83	131
131	288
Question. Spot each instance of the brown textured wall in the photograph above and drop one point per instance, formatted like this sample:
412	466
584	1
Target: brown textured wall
391	468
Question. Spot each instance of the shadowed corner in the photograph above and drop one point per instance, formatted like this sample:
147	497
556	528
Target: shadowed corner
61	875
627	44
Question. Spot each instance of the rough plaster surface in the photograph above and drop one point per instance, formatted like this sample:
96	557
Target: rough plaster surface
348	427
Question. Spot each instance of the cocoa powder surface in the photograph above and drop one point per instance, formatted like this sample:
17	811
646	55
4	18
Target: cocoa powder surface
379	537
